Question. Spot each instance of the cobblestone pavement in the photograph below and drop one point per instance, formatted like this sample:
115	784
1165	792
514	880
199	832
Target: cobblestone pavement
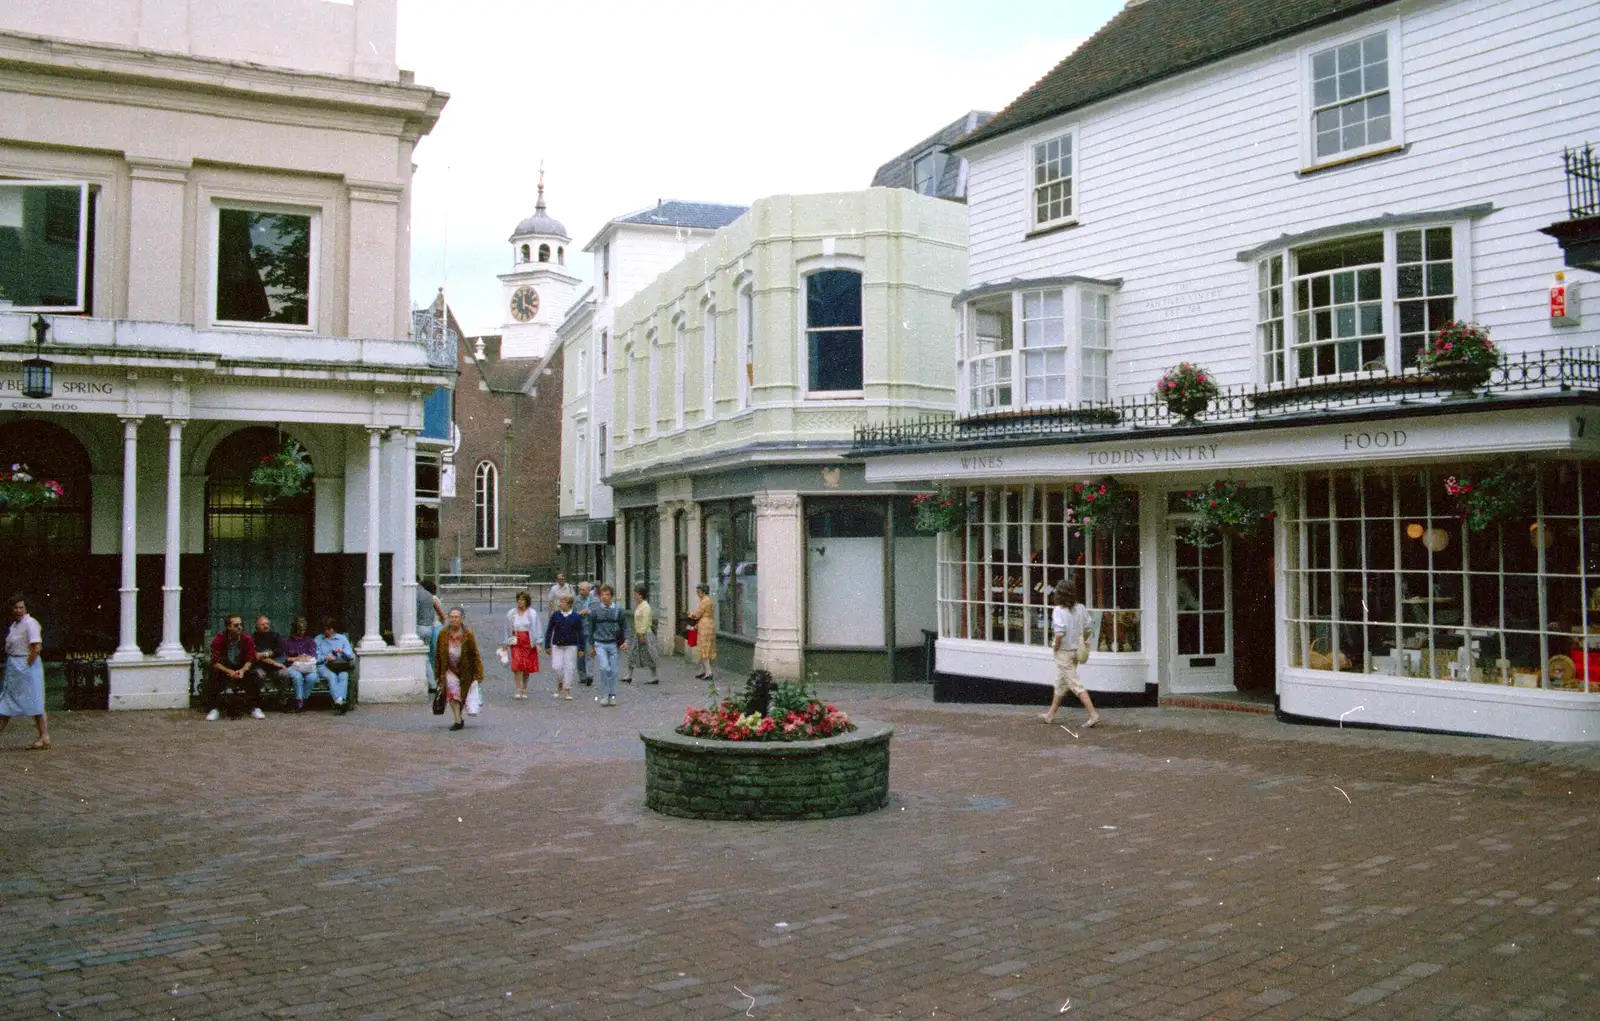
1169	864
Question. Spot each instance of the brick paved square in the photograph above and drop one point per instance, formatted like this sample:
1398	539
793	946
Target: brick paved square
1170	864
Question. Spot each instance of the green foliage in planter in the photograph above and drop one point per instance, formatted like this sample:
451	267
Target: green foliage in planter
941	511
1106	505
1219	508
284	475
19	490
1505	494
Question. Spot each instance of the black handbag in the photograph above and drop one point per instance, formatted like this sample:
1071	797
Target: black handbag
341	665
438	701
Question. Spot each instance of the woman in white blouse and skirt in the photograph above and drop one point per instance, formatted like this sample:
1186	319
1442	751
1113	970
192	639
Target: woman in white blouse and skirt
523	634
22	692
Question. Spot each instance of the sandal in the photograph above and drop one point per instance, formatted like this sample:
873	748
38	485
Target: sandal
43	744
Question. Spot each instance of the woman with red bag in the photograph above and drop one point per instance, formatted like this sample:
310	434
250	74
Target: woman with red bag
524	632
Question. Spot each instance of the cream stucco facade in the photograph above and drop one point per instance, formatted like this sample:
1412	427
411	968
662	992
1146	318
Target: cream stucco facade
740	376
175	129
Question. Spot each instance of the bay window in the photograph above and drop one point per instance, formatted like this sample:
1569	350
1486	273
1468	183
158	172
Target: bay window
997	571
1064	355
1362	303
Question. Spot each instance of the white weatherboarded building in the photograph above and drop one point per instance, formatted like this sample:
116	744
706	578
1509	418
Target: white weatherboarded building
1295	195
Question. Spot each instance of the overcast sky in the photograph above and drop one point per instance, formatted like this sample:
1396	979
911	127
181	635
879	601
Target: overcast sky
627	102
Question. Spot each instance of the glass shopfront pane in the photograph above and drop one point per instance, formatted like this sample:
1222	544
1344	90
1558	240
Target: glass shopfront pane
1508	604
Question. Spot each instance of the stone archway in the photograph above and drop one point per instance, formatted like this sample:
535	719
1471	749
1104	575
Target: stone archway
258	549
76	606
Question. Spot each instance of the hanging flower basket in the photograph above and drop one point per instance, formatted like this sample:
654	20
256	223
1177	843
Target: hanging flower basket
19	490
1222	509
1461	356
1187	390
284	475
941	511
1104	506
1503	495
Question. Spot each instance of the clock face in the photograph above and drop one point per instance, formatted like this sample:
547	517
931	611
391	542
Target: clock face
524	304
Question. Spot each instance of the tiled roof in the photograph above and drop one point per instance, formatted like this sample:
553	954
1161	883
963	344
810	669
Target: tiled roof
673	213
900	171
1157	39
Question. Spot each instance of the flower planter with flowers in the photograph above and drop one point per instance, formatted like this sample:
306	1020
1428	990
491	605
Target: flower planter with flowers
941	511
1187	390
1506	494
1223	508
19	490
1461	356
1104	506
776	752
284	475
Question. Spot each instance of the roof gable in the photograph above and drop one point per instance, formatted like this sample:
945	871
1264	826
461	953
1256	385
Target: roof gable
1156	39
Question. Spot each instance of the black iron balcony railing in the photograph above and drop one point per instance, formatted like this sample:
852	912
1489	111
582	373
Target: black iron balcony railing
1564	370
1583	183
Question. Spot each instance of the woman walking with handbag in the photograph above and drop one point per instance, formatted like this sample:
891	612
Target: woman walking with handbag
22	692
705	618
1069	628
523	635
457	662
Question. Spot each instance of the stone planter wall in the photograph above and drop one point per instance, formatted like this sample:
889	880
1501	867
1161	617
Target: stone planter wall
701	779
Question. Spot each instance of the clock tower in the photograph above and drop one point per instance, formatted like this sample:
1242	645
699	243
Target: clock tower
538	291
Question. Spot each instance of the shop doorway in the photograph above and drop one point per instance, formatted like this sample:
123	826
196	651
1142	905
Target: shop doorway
1255	614
1202	621
1224	618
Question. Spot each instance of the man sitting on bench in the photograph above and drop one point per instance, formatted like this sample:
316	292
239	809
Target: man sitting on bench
232	653
271	664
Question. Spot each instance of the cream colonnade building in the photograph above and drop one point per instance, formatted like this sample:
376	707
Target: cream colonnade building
740	374
204	214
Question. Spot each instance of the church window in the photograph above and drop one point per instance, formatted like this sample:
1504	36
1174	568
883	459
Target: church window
544	253
486	501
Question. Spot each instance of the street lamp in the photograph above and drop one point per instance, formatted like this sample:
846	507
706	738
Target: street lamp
37	373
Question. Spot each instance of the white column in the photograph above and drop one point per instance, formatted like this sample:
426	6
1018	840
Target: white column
128	643
780	546
667	619
171	591
406	629
371	637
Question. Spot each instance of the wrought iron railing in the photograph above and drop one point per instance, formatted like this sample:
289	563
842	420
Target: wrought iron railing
433	332
1557	371
1583	182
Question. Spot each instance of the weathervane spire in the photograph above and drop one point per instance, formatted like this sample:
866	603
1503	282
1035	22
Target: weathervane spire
538	207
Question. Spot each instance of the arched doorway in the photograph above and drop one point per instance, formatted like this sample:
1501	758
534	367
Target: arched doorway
46	547
258	548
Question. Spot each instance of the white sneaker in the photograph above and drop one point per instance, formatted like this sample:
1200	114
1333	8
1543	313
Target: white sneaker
213	716
257	714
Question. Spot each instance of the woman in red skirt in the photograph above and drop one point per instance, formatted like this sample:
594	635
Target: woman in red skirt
523	635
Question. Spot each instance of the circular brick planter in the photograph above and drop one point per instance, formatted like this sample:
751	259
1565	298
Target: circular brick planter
701	779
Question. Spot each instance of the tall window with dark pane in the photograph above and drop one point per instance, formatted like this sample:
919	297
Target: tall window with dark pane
263	267
833	330
996	573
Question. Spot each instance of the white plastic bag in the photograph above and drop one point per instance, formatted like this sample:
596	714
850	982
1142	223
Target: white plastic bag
474	700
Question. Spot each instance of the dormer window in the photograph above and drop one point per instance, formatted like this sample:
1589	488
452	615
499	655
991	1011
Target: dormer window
925	173
1040	347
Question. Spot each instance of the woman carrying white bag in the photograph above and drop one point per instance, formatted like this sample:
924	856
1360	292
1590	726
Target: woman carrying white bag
1069	624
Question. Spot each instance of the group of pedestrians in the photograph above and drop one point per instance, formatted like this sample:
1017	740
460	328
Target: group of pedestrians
587	634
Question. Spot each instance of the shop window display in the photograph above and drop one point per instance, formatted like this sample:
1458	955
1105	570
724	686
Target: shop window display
1383	578
996	572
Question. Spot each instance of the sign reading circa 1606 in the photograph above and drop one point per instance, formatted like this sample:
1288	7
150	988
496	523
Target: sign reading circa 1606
67	395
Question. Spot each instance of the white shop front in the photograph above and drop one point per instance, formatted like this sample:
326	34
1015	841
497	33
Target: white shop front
1366	599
